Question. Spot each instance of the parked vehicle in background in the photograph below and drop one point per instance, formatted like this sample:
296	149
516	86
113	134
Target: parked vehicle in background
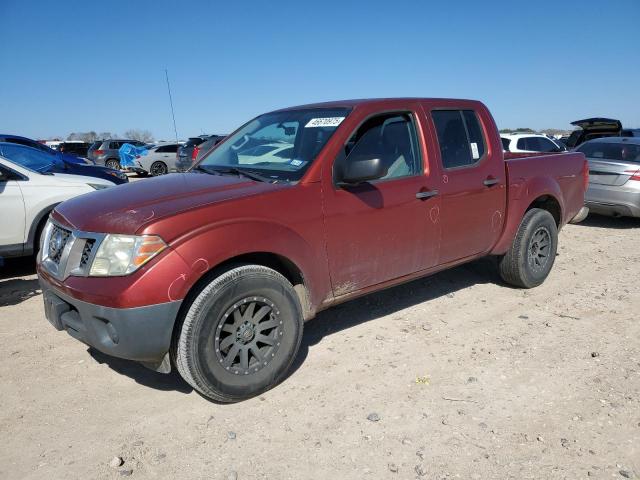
214	271
186	154
631	132
206	146
614	176
27	196
67	158
159	160
79	149
530	142
48	162
189	151
591	128
106	152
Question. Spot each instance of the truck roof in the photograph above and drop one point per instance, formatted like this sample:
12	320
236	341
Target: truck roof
378	102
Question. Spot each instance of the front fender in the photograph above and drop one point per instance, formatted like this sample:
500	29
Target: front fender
215	244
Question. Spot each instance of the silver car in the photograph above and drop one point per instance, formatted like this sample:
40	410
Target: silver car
159	160
614	176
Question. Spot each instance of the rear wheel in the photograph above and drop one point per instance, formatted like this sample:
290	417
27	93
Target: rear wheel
112	163
240	335
532	254
158	168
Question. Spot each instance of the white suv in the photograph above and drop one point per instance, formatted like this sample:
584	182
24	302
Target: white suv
529	142
27	197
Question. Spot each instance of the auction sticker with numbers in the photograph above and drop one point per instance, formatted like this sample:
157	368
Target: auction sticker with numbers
324	122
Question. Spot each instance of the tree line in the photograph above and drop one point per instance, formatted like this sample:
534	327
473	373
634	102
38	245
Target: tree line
132	134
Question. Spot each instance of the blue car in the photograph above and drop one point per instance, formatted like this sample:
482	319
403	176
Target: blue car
48	160
39	146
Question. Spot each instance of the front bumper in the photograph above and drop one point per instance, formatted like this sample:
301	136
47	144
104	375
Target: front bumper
142	334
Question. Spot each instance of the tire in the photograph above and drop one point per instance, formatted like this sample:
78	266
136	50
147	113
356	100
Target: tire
112	163
532	254
580	216
221	320
158	168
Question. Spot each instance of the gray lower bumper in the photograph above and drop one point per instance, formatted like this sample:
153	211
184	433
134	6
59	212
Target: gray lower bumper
142	334
614	200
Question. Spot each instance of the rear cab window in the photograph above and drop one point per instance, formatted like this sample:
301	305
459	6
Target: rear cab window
460	137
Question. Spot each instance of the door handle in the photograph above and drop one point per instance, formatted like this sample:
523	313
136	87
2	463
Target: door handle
488	182
427	194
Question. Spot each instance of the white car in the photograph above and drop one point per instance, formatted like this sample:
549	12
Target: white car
26	199
159	160
529	142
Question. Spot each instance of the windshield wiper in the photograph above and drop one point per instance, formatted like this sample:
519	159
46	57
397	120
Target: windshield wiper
244	173
202	169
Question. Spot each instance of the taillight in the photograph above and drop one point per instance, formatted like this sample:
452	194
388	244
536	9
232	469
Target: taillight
98	152
585	175
635	175
194	154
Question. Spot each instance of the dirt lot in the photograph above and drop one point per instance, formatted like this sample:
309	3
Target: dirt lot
453	376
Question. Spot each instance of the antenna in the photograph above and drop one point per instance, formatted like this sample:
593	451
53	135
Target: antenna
173	115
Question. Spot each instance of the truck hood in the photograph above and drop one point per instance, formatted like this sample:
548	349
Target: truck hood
128	208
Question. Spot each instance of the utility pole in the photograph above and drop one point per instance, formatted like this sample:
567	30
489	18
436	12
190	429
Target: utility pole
173	115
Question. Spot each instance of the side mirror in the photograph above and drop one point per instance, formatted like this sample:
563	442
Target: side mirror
360	170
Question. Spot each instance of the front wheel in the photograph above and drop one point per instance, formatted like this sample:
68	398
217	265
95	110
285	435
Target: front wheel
240	334
533	251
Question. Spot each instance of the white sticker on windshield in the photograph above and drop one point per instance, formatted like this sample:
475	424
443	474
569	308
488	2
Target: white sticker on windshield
474	151
324	122
296	163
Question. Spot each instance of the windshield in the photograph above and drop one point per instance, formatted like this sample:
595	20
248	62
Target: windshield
279	146
31	158
621	152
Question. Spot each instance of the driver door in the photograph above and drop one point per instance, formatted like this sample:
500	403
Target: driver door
380	230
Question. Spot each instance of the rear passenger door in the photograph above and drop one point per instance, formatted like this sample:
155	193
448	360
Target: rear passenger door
472	182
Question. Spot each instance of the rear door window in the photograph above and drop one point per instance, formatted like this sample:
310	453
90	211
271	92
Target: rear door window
167	149
460	137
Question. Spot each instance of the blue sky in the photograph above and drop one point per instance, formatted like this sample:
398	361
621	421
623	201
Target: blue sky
84	65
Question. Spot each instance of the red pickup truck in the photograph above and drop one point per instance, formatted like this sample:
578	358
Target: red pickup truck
214	271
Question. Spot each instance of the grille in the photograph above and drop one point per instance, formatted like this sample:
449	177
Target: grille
57	241
86	252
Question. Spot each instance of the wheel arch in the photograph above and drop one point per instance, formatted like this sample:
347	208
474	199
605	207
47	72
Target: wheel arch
538	192
37	223
549	203
281	264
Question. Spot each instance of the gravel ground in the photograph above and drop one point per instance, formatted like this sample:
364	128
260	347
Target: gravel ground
452	376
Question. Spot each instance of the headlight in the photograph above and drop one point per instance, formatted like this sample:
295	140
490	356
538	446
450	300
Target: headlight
97	186
124	254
